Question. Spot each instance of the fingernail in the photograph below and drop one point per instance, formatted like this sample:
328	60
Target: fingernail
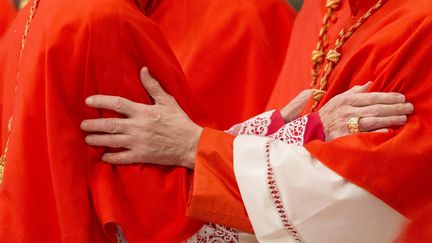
144	70
368	83
88	139
89	101
83	125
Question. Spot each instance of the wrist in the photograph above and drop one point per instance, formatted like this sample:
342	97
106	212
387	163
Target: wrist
189	153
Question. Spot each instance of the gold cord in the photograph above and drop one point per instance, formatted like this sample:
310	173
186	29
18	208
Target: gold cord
319	53
333	56
3	157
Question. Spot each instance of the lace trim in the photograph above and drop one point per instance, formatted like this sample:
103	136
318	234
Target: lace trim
293	132
277	198
257	125
214	233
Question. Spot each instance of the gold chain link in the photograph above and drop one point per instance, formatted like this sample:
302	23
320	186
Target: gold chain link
319	53
333	56
3	157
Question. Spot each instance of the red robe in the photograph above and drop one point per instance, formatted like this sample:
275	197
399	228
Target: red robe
7	15
391	48
231	53
55	188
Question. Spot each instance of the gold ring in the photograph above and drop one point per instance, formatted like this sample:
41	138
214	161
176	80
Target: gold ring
353	125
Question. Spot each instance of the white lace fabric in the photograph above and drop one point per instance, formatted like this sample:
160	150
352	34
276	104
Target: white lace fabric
257	125
214	233
293	132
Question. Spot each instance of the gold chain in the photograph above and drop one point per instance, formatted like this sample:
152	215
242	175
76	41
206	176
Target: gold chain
319	53
3	157
333	56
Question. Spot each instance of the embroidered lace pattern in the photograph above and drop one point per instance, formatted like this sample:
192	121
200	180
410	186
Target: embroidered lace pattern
293	132
257	125
214	233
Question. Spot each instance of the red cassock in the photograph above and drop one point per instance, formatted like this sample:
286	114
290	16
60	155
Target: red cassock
55	188
392	49
231	53
7	15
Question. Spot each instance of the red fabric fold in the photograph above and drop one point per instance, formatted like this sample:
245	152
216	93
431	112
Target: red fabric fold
215	179
55	187
393	52
314	128
231	53
7	15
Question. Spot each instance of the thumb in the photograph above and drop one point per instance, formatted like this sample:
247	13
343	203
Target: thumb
152	86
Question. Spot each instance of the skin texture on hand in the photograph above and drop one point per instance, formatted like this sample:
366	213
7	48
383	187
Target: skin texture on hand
292	110
161	133
376	111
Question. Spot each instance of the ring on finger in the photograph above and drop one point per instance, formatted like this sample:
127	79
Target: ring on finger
354	125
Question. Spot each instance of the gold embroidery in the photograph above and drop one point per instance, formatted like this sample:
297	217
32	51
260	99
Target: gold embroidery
334	55
3	157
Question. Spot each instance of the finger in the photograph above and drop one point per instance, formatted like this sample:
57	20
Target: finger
302	98
386	110
359	88
367	124
372	98
108	125
109	140
153	87
115	103
119	158
381	130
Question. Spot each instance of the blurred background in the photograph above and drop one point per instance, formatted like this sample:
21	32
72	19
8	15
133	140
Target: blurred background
296	3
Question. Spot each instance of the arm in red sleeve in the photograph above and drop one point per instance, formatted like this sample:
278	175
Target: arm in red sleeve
215	196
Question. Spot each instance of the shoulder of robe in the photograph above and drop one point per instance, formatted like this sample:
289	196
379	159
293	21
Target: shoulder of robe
418	12
95	14
250	10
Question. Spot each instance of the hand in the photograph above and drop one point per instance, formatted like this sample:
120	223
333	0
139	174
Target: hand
376	111
161	133
291	111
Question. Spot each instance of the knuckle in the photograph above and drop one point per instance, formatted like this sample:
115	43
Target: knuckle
121	158
112	126
155	117
114	140
117	103
375	111
367	123
351	100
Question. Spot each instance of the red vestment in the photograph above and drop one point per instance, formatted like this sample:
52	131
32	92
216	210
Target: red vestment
391	48
231	53
7	15
76	49
55	188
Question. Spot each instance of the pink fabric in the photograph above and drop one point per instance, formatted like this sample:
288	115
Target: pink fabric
277	122
314	128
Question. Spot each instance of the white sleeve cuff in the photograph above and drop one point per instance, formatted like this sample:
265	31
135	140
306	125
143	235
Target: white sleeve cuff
320	204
